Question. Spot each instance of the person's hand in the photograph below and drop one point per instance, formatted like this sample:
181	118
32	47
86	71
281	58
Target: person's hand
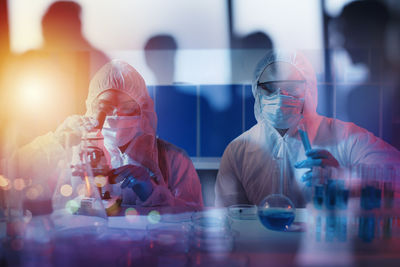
316	158
70	132
135	177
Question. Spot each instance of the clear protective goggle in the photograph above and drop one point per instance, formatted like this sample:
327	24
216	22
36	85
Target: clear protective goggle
295	88
129	108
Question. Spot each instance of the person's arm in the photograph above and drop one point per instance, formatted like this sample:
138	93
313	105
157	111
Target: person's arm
38	161
228	188
183	188
365	148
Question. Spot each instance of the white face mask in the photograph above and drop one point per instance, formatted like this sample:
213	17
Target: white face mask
119	130
282	111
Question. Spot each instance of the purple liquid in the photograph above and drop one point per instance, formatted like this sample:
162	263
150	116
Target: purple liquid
277	220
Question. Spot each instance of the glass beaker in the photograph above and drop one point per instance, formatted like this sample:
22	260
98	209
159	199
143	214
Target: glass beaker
276	212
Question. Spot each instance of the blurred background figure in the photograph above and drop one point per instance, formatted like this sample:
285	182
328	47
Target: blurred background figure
363	28
160	51
62	33
247	51
44	86
160	54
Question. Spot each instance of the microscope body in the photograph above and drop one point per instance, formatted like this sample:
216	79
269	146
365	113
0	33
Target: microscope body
92	161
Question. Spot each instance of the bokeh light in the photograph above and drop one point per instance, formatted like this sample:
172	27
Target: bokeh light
19	184
72	206
154	217
100	180
32	193
66	190
4	183
131	215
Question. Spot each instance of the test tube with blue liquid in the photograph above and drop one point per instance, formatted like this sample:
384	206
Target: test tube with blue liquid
304	137
318	198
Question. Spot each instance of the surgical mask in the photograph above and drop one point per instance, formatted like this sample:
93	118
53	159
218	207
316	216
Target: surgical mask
282	111
119	130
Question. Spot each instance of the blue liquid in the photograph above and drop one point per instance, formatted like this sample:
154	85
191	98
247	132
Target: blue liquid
278	220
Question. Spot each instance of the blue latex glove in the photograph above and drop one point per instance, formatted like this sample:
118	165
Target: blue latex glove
135	177
316	158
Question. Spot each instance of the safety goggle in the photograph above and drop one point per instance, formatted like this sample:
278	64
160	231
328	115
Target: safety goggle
129	108
293	88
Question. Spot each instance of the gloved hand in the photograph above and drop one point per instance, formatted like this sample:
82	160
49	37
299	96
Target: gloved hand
316	158
135	177
69	133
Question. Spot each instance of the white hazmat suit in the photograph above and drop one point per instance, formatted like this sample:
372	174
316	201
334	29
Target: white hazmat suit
250	166
176	180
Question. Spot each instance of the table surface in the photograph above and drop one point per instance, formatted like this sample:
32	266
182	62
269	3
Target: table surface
317	237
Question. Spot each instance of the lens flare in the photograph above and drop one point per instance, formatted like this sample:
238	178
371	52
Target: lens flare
154	217
66	190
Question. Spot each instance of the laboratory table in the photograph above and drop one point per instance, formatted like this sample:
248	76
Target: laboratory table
139	236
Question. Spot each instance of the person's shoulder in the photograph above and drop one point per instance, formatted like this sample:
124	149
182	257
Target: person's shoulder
340	126
170	148
244	139
246	135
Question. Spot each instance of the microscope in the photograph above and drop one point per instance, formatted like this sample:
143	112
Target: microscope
92	167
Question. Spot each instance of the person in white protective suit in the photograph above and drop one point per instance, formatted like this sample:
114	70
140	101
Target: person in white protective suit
153	172
285	92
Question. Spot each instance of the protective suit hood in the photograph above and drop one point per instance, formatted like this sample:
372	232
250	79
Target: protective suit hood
119	75
301	64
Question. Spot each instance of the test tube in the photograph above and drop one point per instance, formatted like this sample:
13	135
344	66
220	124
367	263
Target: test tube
388	192
304	137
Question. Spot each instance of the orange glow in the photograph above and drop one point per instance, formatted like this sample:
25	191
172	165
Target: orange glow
19	184
66	190
34	93
37	90
88	192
